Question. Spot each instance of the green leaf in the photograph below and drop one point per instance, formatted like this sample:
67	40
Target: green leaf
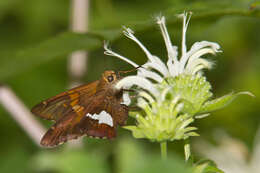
59	46
206	166
137	133
221	102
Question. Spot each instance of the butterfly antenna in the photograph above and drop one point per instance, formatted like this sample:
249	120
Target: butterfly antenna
128	71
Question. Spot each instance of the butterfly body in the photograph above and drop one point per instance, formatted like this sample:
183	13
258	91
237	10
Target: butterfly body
94	110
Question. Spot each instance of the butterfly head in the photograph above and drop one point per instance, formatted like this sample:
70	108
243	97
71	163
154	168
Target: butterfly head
110	77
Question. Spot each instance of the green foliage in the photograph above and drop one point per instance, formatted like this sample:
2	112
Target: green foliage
221	102
69	161
131	157
61	45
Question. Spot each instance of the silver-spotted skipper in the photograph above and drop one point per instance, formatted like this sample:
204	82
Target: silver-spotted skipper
93	109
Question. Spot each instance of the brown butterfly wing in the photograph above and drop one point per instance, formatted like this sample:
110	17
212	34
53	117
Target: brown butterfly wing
58	106
60	132
76	123
118	112
68	125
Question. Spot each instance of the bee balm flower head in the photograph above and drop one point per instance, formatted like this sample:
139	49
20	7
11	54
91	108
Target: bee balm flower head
171	93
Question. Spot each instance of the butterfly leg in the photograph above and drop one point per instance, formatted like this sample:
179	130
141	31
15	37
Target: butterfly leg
134	108
131	108
128	90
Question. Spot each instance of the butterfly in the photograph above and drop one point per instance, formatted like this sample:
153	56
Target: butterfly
92	109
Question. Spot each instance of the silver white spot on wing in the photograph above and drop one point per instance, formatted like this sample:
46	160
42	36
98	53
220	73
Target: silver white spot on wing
103	118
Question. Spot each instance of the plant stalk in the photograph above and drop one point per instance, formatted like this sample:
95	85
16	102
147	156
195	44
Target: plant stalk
163	150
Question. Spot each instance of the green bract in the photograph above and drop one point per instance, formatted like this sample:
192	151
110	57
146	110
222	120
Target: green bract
193	90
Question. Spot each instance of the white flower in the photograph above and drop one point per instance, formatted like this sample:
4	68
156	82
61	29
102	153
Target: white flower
190	61
174	93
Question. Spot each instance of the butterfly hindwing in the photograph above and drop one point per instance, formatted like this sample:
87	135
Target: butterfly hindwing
99	130
60	132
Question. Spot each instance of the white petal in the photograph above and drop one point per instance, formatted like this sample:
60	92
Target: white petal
109	52
164	93
199	45
160	65
149	74
174	103
197	69
196	47
142	103
198	54
191	66
144	83
126	99
147	96
172	51
173	65
184	30
130	34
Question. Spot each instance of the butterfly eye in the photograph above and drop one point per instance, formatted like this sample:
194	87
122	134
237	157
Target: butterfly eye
110	78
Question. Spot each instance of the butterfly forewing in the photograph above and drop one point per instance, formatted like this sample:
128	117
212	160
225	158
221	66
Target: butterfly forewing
62	104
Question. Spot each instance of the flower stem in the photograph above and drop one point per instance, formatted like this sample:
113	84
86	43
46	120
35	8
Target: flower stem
164	150
187	151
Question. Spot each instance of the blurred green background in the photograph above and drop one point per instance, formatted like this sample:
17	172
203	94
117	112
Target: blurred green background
34	46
